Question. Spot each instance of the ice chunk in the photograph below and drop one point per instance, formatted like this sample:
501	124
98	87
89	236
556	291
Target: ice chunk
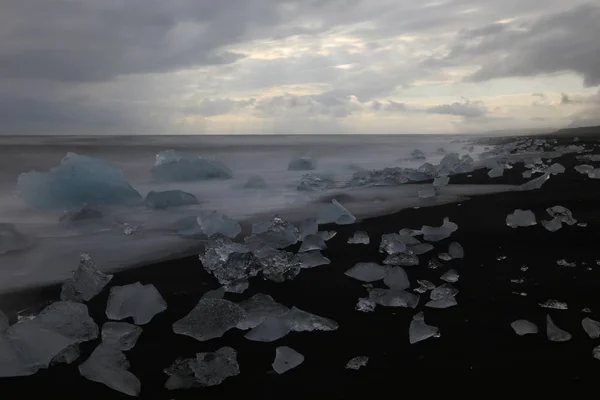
409	232
327	235
402	260
417	155
394	298
584	168
357	363
286	358
141	302
420	248
173	166
302	321
131	229
521	218
523	327
427	192
277	265
435	234
86	282
396	278
217	251
456	250
360	237
441	181
554	333
427	168
424	286
269	330
367	272
450	276
258	308
109	366
214	223
304	163
589	157
552	225
235	270
445	290
335	213
591	327
67	356
210	319
312	259
315	182
255	182
76	182
563	214
445	257
312	242
307	227
453	164
365	304
496	172
555	169
594	174
120	335
554	304
392	243
213	368
277	233
442	303
535	183
12	240
181	374
419	330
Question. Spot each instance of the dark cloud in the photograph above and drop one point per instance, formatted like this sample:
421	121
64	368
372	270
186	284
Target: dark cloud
466	109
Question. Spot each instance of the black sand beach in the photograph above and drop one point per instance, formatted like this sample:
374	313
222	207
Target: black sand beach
477	345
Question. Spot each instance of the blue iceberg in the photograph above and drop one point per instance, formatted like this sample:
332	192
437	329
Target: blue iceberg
169	198
78	181
173	166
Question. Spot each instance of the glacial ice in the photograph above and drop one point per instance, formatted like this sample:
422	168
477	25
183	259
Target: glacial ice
213	368
424	286
87	281
441	181
442	303
553	225
584	168
523	327
210	319
315	182
445	290
396	278
76	182
419	330
367	272
365	304
12	240
335	213
258	308
277	233
535	183
169	198
255	182
312	242
269	330
456	250
213	223
420	248
555	169
312	259
563	214
591	327
521	218
304	163
392	243
286	358
327	235
302	321
141	302
120	335
394	298
308	226
234	272
360	237
554	333
173	166
357	363
450	276
278	265
435	234
554	304
496	172
402	260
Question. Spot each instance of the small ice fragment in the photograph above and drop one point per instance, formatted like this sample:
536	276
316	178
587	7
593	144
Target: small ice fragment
394	298
255	182
309	226
501	258
392	243
357	363
172	166
327	235
427	192
552	225
523	327
555	169
527	174
456	250
312	242
315	182
169	198
12	240
402	260
131	229
445	257
397	279
213	223
445	290
87	281
109	366
554	304
420	248
419	330
441	181
521	218
424	286
591	327
596	352
535	183
554	333
563	214
210	319
367	272
335	213
409	232
286	358
517	281
305	163
365	304
302	321
442	303
565	263
120	335
524	268
450	276
312	259
584	168
434	264
435	234
359	237
258	308
212	369
496	172
142	302
270	329
582	224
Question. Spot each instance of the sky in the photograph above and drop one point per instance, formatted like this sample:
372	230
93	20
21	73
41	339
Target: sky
297	66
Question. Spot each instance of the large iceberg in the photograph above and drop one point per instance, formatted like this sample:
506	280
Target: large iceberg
169	198
76	182
173	166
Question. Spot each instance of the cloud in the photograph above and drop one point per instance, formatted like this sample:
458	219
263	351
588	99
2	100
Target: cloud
467	109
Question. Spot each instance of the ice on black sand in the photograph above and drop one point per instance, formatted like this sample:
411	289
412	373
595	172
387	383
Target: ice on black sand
367	272
312	242
394	298
277	233
213	223
327	235
554	333
301	321
435	234
521	218
424	286
591	327
141	302
445	290
365	304
207	369
535	183
357	363
286	358
402	259
450	276
258	308
120	335
175	166
396	278
523	327
554	304
210	319
335	213
393	243
108	365
360	237
442	303
419	330
87	281
312	259
456	250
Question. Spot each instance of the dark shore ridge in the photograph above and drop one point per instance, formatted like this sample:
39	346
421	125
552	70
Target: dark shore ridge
545	279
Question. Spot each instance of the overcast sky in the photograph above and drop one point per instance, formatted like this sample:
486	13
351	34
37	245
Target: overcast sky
297	66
